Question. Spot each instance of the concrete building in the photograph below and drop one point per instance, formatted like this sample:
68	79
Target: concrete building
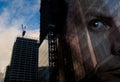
43	54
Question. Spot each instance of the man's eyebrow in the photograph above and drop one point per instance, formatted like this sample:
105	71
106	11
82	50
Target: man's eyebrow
98	13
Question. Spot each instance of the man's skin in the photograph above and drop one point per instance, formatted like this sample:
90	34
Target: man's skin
103	22
92	32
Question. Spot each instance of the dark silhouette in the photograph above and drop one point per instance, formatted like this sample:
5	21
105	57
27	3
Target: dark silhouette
23	30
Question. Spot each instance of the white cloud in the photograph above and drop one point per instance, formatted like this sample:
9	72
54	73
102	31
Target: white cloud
4	17
7	38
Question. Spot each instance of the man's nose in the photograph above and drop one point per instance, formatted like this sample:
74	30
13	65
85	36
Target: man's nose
115	49
115	38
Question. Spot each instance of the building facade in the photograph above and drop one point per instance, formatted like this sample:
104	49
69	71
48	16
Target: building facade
24	62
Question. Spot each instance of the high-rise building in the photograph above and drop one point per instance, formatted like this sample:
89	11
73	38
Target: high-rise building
53	23
48	27
24	62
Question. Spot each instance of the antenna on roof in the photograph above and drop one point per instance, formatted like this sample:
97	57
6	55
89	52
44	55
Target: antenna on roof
23	30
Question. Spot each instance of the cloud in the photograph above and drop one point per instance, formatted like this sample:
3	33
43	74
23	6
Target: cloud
12	16
4	18
7	38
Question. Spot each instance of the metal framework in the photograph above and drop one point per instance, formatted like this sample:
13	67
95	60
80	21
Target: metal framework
53	66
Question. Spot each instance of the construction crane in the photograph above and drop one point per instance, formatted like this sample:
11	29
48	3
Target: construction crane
23	30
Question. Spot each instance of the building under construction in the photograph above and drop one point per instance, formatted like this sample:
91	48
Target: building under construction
60	66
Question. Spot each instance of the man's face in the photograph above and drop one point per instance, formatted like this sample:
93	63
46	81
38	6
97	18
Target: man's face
102	20
93	27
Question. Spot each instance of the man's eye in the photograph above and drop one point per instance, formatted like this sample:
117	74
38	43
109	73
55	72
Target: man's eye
97	25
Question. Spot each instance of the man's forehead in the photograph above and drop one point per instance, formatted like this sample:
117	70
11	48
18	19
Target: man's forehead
101	5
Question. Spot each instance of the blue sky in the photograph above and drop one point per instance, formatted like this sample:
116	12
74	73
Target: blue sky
13	13
26	10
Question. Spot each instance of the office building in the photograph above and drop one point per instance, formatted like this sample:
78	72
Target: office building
24	62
